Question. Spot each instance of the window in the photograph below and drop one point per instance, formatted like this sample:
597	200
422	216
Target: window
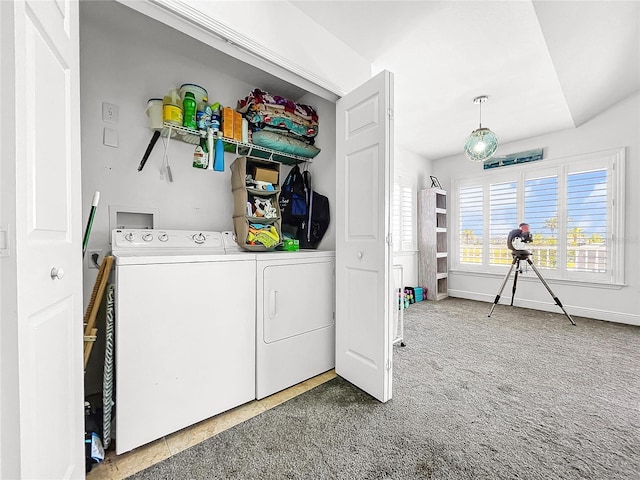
574	207
403	217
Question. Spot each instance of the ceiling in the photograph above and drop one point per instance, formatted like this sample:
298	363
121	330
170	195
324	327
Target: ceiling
545	65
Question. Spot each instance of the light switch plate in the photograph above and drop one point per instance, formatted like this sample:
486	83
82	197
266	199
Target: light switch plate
110	137
110	112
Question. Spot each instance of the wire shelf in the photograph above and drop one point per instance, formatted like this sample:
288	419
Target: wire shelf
193	137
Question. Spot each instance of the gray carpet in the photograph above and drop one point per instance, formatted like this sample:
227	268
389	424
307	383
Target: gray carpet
521	395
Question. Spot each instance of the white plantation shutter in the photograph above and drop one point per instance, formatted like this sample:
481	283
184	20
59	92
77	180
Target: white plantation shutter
396	220
470	224
407	223
586	220
404	218
541	213
503	217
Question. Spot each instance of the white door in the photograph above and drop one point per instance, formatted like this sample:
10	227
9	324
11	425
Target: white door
41	324
364	164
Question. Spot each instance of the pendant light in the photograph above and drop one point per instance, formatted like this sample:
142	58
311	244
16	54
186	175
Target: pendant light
482	143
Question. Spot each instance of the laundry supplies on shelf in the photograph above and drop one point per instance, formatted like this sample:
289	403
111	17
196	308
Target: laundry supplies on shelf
264	126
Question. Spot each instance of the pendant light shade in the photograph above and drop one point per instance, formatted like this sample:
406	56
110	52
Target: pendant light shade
482	143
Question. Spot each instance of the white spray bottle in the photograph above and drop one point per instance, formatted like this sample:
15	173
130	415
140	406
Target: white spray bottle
212	153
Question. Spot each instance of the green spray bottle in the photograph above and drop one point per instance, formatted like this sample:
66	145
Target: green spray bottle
189	104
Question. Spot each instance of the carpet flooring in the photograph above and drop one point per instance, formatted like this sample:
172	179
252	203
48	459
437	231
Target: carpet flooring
520	395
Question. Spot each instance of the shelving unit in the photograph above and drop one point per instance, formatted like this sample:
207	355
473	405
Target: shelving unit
193	137
432	242
240	168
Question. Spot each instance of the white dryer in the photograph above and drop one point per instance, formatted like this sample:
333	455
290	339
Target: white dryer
295	318
185	331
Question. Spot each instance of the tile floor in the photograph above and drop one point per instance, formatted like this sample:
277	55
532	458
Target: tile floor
116	467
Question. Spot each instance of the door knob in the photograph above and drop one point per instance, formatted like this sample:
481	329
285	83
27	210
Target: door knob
57	273
360	254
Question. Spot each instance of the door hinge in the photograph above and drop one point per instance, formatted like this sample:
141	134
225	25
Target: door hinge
390	238
4	242
390	113
389	365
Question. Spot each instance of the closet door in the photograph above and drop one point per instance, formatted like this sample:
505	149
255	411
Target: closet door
41	330
364	171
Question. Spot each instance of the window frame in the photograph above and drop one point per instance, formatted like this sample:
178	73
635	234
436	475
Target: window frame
614	162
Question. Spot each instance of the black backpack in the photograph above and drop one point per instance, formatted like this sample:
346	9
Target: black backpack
293	203
316	223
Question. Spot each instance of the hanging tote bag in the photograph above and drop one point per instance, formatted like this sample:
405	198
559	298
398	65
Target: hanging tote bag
316	223
293	204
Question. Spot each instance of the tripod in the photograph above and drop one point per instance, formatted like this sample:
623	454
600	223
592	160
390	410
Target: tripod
519	255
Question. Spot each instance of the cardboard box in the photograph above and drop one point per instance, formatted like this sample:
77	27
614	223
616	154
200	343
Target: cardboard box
266	175
289	245
227	122
237	126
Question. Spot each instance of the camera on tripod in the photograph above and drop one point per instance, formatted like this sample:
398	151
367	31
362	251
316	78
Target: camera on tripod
515	241
517	237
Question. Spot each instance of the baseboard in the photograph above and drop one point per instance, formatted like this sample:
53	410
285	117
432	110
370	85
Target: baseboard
606	315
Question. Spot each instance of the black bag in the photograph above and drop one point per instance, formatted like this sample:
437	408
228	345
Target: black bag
293	203
315	225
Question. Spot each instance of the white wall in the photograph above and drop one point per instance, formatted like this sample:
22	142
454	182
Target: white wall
618	126
274	30
415	168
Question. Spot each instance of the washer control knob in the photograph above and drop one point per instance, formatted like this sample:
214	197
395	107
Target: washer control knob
147	237
163	237
130	237
199	238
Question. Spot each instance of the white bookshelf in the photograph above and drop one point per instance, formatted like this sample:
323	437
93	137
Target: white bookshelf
432	242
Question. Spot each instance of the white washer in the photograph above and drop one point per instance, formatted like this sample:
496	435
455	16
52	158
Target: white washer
295	318
185	331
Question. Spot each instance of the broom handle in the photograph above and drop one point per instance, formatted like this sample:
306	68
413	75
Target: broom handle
87	232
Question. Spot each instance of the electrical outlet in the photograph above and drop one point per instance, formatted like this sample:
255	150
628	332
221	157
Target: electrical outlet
94	258
110	112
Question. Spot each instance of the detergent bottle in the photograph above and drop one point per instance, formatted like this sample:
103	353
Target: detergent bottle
218	164
172	108
189	105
